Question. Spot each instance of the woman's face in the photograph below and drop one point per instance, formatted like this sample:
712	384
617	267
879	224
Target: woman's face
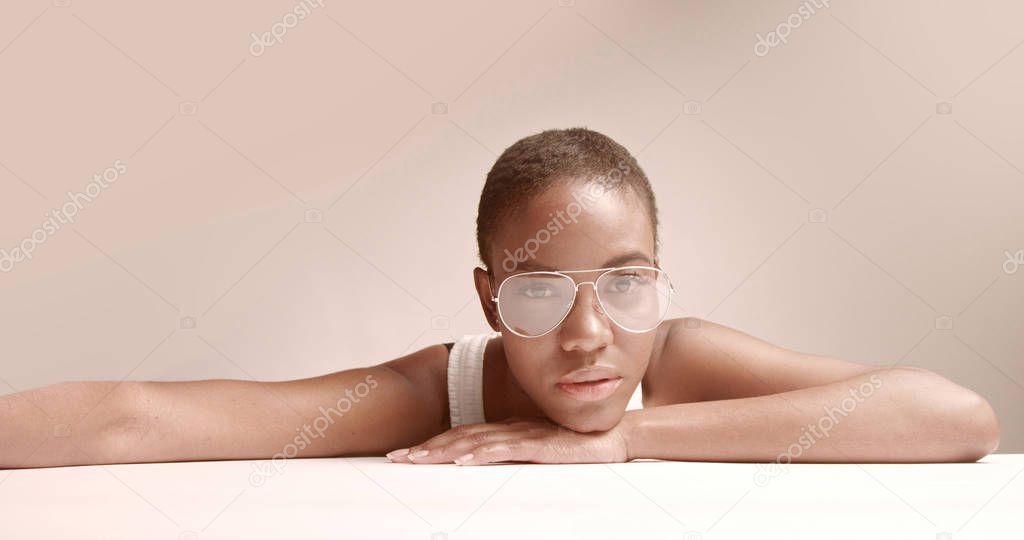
611	229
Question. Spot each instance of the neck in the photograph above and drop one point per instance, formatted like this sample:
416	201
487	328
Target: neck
503	397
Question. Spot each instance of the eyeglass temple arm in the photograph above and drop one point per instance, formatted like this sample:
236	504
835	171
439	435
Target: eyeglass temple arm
490	287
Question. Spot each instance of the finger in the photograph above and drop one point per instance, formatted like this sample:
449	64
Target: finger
513	450
447	453
402	454
447	438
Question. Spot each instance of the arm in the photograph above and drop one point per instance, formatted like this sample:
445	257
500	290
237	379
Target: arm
760	402
717	394
354	412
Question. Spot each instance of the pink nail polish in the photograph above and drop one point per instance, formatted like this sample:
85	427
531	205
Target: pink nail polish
419	454
397	453
463	459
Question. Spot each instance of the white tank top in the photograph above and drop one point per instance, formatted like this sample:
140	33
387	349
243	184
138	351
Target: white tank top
466	380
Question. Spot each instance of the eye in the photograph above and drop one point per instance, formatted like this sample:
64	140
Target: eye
625	283
537	290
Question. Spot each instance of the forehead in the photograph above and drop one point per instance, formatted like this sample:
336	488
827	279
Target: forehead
574	226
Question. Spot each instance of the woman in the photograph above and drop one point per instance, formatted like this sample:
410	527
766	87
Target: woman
572	288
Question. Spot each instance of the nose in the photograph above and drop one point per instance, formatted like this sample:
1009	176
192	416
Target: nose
586	328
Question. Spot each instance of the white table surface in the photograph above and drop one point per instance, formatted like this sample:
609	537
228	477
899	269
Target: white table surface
373	498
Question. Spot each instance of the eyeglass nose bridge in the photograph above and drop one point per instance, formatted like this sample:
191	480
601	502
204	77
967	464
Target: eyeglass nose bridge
576	294
577	286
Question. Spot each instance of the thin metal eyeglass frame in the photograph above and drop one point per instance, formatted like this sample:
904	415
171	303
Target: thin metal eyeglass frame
575	294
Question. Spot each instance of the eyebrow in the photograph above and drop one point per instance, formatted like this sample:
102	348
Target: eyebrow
614	261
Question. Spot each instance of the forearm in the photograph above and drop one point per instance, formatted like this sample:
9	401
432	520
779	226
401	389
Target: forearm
362	411
354	412
893	415
103	422
71	423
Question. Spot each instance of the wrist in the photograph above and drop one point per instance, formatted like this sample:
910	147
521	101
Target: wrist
630	431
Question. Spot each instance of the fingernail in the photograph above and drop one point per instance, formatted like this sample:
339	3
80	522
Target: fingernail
462	459
418	454
397	453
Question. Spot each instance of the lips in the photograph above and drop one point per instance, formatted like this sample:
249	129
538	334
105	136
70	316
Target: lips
589	374
594	390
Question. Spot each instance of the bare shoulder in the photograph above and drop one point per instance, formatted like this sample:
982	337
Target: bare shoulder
666	381
699	360
427	369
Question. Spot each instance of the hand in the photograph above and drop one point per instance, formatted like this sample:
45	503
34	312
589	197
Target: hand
516	439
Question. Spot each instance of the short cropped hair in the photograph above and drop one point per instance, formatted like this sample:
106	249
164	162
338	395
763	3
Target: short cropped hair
535	163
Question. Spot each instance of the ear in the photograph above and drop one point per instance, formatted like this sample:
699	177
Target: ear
483	289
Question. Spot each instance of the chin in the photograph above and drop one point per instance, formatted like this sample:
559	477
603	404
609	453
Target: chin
599	420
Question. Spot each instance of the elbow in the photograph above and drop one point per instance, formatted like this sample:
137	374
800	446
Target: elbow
981	427
965	425
123	425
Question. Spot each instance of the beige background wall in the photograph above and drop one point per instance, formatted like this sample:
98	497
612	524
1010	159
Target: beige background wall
309	207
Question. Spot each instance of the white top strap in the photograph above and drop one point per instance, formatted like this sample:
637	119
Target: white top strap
465	379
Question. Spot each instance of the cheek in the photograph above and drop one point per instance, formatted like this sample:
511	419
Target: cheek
526	364
636	350
529	364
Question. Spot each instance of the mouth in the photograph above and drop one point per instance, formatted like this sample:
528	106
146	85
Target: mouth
594	390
